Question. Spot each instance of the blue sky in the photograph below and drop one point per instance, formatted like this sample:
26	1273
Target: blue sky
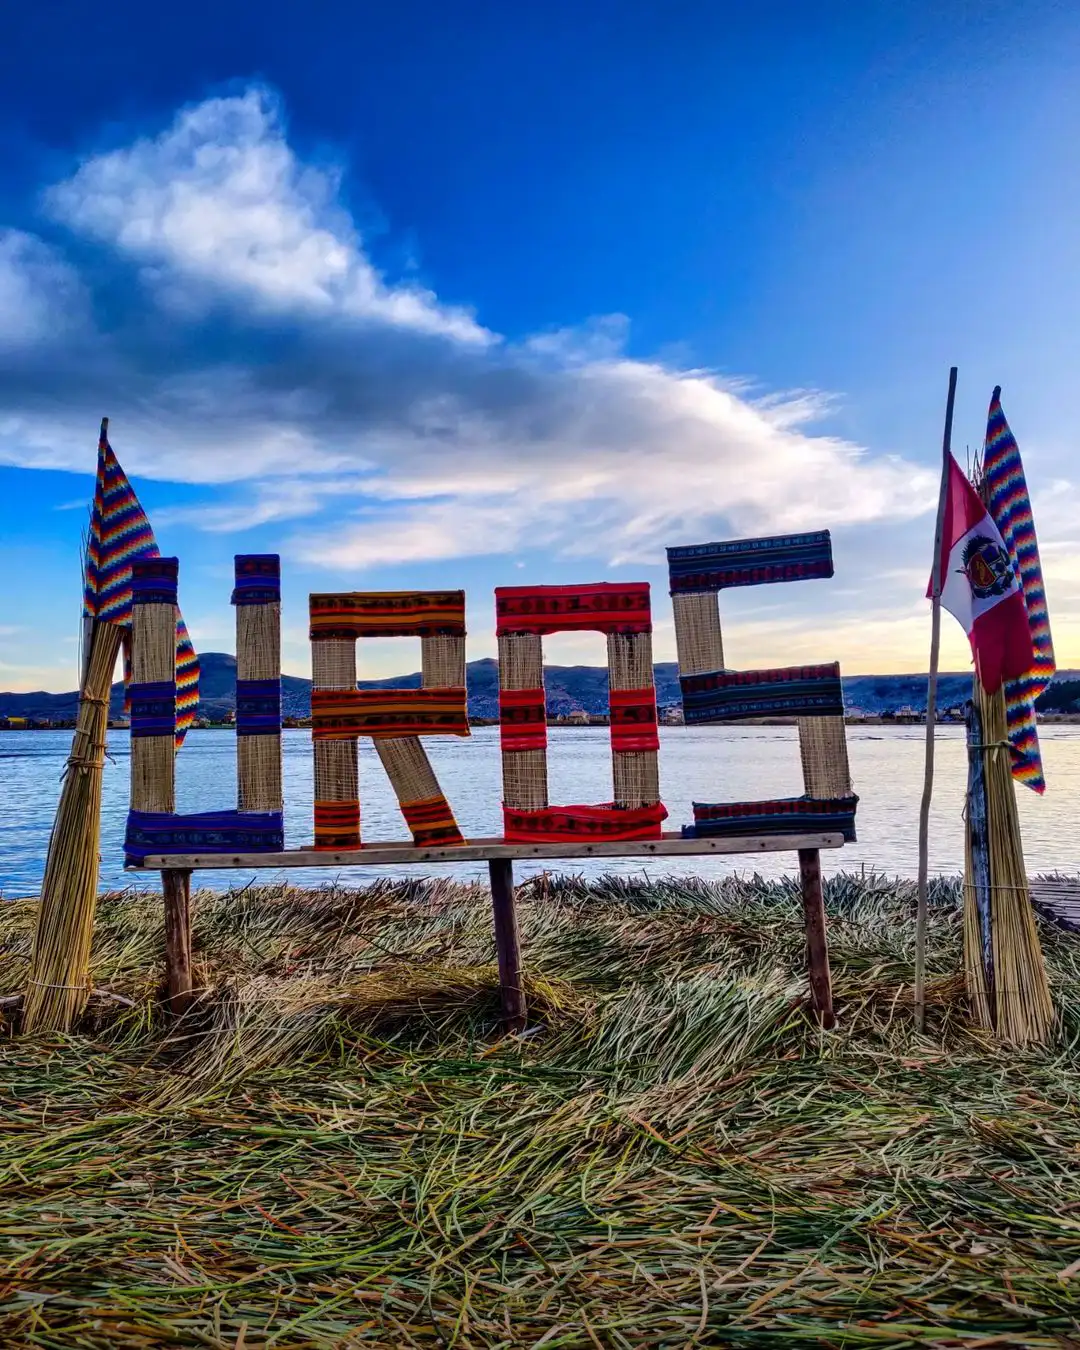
497	294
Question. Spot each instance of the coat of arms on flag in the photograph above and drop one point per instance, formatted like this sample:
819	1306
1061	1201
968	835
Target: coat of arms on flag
979	586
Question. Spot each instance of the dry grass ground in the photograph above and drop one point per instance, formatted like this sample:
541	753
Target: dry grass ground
336	1150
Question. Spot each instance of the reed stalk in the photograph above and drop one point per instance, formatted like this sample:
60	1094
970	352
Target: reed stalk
1019	1006
57	987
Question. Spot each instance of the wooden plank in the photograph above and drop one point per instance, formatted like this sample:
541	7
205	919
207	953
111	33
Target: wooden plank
507	943
176	885
817	947
483	850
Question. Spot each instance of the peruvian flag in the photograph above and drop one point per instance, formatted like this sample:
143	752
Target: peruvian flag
979	586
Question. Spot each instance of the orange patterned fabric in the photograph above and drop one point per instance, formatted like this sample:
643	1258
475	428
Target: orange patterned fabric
337	825
343	714
431	822
388	614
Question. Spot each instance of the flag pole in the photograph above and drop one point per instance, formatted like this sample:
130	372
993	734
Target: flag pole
931	712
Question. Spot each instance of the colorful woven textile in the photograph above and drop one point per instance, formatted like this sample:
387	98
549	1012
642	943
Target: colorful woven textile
522	719
337	825
785	815
153	832
342	714
582	824
153	708
258	579
258	707
633	719
154	581
388	614
1010	506
750	562
431	822
605	607
731	695
120	533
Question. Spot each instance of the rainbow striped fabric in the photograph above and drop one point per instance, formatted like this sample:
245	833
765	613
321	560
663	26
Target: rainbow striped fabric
120	533
1010	507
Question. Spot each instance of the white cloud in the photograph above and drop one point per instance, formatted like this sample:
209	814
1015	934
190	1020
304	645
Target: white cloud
328	392
41	297
221	198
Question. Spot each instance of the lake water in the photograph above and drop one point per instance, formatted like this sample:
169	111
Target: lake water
709	763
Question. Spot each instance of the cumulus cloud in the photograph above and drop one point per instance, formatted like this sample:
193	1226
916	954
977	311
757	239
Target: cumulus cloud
221	199
321	387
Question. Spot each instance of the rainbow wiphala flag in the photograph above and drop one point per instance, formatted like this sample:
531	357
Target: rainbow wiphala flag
1010	507
120	533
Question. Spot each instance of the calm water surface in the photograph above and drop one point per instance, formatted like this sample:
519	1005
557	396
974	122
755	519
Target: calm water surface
709	763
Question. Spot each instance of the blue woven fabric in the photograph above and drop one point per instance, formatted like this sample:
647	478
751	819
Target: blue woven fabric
785	815
731	696
153	581
153	708
258	707
750	562
153	832
258	579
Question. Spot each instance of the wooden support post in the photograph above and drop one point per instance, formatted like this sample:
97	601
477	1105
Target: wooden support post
817	947
507	943
176	886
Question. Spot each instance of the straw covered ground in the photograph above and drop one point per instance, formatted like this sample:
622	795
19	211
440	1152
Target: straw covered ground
336	1150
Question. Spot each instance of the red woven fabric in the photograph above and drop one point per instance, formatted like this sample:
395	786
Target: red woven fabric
522	719
582	824
603	607
633	719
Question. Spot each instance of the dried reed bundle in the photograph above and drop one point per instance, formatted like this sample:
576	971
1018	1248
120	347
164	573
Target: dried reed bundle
1017	1003
635	773
58	983
258	657
524	772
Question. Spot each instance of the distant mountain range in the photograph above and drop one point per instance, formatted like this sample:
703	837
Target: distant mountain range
569	689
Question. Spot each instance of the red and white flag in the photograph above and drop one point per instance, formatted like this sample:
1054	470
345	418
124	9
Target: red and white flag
979	586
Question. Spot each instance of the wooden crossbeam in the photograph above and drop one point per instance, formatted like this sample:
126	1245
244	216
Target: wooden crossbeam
483	850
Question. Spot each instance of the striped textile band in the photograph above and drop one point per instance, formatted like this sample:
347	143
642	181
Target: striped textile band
750	562
209	832
633	719
258	579
734	695
258	707
119	534
604	607
153	581
431	822
337	825
388	614
187	682
582	824
153	708
522	719
1010	506
785	815
344	714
